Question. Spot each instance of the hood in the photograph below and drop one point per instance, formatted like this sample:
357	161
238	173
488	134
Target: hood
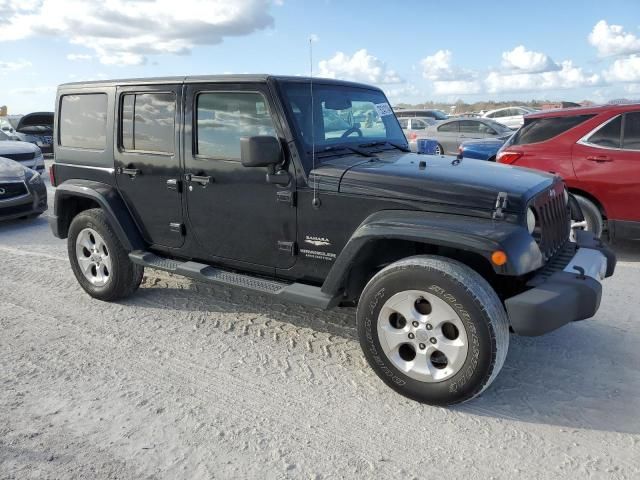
17	147
471	184
38	122
10	169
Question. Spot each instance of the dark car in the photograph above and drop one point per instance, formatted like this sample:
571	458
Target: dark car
25	153
421	113
22	191
596	150
484	149
37	128
244	181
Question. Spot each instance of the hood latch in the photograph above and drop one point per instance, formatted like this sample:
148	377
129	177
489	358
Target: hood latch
501	204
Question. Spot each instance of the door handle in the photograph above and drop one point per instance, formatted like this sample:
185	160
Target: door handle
600	159
132	172
203	180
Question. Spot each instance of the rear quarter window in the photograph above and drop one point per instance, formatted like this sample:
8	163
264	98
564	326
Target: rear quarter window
536	130
83	121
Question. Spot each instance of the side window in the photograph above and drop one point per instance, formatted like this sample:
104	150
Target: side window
449	127
608	135
631	139
418	124
469	126
147	122
404	123
225	117
83	121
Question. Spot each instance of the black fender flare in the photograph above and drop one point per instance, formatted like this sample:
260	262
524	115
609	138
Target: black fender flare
109	200
477	235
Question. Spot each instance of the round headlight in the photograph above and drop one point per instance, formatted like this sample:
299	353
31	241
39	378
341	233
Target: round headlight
531	220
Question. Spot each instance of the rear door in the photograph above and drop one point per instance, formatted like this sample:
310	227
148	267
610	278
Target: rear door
448	136
607	165
147	161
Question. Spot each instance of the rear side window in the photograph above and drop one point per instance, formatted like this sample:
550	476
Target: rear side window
404	123
148	122
631	139
449	127
608	136
83	121
223	118
537	130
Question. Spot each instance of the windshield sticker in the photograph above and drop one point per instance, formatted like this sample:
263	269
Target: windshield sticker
383	109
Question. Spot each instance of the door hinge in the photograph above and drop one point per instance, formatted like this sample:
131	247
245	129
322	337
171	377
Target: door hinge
177	228
287	247
286	196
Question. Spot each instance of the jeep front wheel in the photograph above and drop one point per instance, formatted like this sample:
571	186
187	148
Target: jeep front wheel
433	329
98	259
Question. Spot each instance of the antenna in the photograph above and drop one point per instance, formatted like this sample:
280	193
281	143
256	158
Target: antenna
316	201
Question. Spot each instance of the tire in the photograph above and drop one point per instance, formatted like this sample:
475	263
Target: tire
439	150
88	230
592	215
455	295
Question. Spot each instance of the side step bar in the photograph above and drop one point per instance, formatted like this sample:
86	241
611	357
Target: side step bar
292	292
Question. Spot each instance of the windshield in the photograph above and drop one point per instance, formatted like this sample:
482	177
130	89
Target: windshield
342	116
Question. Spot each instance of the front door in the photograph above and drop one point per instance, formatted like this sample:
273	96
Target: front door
147	160
235	215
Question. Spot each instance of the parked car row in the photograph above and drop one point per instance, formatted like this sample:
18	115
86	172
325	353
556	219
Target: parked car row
22	191
35	128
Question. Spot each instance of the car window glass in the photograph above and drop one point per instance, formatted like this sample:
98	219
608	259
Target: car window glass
449	127
608	135
418	124
148	122
83	121
537	130
223	118
404	123
469	126
631	138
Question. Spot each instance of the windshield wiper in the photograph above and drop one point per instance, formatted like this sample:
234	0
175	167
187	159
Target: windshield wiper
337	148
385	142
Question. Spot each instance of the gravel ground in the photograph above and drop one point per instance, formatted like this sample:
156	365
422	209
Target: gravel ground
187	381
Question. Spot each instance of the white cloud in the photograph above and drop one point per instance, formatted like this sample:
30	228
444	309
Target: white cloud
522	60
13	66
613	40
33	90
624	70
360	67
569	76
77	57
457	87
448	79
127	31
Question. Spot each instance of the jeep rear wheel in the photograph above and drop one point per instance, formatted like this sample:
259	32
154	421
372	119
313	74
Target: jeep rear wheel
98	259
433	329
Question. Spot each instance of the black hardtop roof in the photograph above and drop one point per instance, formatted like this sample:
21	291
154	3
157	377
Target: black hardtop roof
230	78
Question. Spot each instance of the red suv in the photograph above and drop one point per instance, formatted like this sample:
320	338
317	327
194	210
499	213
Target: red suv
597	152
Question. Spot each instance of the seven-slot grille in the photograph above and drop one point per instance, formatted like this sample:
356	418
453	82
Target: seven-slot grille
553	222
12	190
20	157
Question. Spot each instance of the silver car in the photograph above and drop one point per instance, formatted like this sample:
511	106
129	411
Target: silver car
451	133
415	128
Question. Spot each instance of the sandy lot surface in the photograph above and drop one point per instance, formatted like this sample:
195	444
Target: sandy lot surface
187	381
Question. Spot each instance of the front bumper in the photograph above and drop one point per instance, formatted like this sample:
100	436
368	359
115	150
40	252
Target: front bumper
566	294
34	202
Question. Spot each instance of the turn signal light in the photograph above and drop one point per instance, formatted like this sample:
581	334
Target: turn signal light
52	176
413	135
508	157
499	258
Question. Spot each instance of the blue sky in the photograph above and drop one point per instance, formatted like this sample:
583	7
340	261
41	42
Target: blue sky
414	50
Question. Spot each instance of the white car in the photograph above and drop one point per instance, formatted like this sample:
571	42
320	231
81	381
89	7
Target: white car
512	117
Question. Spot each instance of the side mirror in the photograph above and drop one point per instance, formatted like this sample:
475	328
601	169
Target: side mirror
260	151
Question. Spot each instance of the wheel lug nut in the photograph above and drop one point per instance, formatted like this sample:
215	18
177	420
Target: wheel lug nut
429	326
422	346
433	340
411	336
415	324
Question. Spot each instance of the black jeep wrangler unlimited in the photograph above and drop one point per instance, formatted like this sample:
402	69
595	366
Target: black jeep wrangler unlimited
306	190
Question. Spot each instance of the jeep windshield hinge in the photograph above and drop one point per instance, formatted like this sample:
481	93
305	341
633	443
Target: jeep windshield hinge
286	196
287	247
501	204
